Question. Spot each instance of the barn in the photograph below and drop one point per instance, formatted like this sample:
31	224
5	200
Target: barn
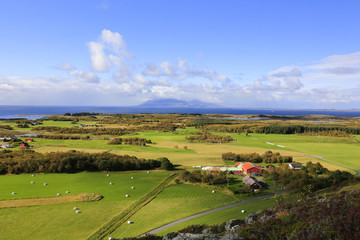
251	182
249	168
24	146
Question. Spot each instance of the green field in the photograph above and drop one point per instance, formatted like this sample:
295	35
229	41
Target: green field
175	202
351	161
102	144
224	215
172	146
60	220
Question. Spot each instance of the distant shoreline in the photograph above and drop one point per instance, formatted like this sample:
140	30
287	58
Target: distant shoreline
33	112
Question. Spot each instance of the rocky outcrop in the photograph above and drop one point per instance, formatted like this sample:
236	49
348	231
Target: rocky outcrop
192	236
230	228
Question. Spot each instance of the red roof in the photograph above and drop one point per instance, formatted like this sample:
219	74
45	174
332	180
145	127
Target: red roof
247	166
238	163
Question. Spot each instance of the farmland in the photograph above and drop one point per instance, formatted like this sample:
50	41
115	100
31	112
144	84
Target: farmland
43	213
39	222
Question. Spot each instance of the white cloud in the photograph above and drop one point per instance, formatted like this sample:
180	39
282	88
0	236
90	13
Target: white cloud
181	71
100	61
335	61
331	82
110	50
140	79
85	76
65	66
167	69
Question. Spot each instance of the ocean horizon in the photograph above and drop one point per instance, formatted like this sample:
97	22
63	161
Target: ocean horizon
35	112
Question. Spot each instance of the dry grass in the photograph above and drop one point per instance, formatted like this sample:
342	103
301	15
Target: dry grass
82	197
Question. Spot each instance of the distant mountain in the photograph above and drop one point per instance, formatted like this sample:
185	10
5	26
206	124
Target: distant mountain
175	103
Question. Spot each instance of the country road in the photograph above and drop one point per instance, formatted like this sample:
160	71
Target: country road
322	158
166	226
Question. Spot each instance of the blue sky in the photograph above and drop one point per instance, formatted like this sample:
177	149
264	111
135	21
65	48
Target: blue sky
246	54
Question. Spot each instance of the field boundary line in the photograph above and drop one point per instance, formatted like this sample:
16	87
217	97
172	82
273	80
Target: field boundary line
114	223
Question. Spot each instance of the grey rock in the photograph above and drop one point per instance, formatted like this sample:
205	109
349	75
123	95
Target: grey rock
251	218
232	223
190	236
231	236
206	231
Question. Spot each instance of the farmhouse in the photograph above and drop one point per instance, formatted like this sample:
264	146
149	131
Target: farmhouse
295	165
251	182
24	145
248	168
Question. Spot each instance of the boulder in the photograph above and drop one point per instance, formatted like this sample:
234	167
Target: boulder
234	222
251	218
190	236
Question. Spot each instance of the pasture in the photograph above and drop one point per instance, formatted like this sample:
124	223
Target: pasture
60	220
172	146
175	202
224	215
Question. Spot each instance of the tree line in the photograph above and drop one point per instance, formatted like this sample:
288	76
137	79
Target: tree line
93	131
7	127
267	157
130	141
209	138
28	161
311	178
62	136
198	176
275	128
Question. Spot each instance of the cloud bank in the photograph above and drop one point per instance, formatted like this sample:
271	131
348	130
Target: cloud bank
116	79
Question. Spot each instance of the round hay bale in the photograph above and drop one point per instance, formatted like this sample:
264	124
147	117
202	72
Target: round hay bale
129	222
243	211
110	183
213	191
33	175
147	172
126	195
58	194
45	183
32	182
67	191
108	175
75	208
132	177
77	211
110	238
132	187
13	193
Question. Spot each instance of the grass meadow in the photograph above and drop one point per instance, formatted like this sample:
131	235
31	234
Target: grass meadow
60	220
173	147
224	215
175	202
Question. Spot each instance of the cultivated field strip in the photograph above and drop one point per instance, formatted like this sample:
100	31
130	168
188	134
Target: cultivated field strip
43	201
110	226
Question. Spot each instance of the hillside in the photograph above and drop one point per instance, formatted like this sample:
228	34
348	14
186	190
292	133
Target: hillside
333	214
